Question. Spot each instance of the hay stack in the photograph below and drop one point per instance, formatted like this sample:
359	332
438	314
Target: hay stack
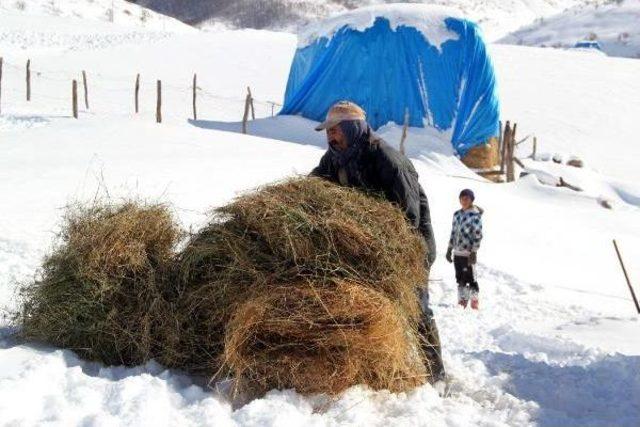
99	292
330	266
302	284
483	157
320	340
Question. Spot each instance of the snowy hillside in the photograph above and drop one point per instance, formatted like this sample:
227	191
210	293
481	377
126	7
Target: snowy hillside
120	12
497	17
556	341
614	25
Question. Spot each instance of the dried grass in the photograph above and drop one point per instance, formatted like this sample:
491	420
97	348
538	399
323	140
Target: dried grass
301	231
99	292
300	284
321	340
483	157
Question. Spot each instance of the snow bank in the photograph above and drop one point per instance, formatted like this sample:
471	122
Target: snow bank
429	20
55	34
118	12
615	26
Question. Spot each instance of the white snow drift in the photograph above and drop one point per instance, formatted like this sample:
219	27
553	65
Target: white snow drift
615	26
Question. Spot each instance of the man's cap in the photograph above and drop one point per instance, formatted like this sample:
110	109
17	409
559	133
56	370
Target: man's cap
468	193
342	111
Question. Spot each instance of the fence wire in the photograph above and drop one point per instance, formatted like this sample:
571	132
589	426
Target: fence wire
39	74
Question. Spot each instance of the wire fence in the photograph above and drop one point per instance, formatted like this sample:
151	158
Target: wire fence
118	84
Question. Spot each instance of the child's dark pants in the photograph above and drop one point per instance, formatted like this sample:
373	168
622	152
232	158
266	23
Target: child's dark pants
465	273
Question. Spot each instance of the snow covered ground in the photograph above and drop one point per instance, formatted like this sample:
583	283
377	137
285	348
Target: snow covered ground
119	12
557	340
615	25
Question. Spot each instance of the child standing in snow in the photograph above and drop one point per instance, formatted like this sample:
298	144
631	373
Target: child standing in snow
466	234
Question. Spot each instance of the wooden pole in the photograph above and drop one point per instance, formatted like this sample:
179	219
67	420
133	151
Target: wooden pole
29	80
626	276
245	117
159	102
137	92
500	138
253	111
74	98
563	183
535	147
86	89
1	61
519	163
195	85
505	146
510	153
405	128
500	148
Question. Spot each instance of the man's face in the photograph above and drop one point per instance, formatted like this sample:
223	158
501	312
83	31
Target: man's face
336	138
466	202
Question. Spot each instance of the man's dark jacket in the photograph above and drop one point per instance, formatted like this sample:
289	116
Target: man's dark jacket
381	168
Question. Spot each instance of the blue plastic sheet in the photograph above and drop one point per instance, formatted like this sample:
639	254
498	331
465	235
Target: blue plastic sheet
387	71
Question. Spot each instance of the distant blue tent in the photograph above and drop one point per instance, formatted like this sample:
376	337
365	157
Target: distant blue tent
386	70
588	44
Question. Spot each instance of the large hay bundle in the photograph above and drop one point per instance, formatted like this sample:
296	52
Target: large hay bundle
100	290
321	340
291	237
302	284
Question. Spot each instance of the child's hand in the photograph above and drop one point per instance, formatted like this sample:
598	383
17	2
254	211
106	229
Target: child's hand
473	258
449	254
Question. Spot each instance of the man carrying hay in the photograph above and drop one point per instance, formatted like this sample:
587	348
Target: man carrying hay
357	157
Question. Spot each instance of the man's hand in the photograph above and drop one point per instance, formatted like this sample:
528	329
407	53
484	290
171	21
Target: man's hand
449	253
473	258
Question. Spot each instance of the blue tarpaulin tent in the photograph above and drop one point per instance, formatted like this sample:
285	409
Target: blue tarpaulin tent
391	66
588	44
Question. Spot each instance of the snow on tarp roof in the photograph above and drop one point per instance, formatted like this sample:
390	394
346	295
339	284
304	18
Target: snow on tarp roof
428	19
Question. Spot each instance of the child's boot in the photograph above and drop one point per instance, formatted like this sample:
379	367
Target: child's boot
474	300
463	295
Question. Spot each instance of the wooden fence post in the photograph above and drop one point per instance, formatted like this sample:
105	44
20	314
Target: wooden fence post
137	92
245	117
511	153
253	111
535	147
195	86
1	61
405	128
505	143
626	276
28	80
159	102
500	148
74	98
86	89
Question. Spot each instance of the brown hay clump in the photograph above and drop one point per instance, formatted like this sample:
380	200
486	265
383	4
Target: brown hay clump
99	292
284	238
483	157
318	340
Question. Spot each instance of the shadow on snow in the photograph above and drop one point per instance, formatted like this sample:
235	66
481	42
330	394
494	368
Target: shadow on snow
604	392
